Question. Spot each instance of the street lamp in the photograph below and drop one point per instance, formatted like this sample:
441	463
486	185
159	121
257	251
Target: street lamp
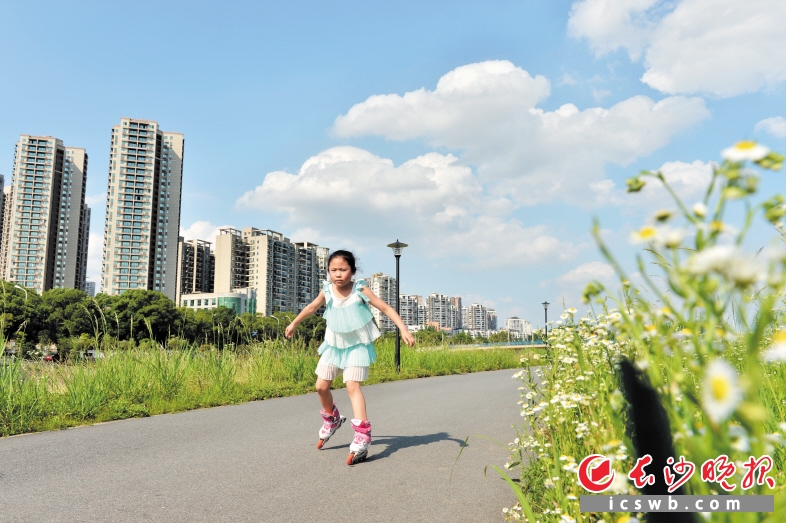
397	248
20	287
546	326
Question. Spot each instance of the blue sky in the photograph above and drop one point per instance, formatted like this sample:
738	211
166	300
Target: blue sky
486	135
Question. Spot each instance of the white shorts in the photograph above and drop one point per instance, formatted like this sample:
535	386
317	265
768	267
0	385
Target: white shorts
330	372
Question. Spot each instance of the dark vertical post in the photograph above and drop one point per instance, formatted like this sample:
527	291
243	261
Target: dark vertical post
398	311
546	325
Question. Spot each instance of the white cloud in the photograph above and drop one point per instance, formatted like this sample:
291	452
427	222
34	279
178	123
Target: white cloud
348	195
566	289
723	47
611	24
488	111
95	253
776	126
202	230
688	180
578	278
95	199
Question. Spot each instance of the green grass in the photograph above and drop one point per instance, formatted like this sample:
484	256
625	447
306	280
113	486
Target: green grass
37	396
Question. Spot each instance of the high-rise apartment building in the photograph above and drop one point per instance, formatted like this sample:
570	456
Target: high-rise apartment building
518	328
45	232
285	275
308	273
8	200
408	309
143	208
384	286
272	270
323	253
90	288
438	309
81	260
422	313
491	319
231	265
2	202
455	312
196	267
477	318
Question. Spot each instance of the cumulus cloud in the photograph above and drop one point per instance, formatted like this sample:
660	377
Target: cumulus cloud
723	47
92	200
612	24
577	278
353	195
202	230
775	126
567	288
688	180
488	111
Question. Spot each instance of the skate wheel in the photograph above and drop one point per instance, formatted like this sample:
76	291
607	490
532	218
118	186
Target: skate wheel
351	458
320	443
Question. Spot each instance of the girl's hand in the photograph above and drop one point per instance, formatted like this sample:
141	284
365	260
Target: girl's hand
408	338
290	330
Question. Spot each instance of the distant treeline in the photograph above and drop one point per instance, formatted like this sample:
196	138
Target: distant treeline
70	320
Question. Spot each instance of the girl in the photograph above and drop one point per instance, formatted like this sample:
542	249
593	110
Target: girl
348	346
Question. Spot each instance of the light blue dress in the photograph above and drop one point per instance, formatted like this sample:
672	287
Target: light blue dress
351	331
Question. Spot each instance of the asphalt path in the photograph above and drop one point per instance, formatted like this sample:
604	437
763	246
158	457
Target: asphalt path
258	461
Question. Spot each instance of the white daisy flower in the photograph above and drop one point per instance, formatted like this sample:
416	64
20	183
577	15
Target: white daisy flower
777	351
745	150
721	392
713	259
644	235
700	210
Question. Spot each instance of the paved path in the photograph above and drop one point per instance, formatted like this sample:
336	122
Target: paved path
257	462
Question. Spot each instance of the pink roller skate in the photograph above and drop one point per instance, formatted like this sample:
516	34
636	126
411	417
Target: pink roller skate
358	450
330	426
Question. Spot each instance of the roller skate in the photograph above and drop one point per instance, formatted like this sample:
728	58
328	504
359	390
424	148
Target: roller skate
358	450
331	424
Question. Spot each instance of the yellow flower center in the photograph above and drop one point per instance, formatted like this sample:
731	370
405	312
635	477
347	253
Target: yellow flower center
647	233
780	337
745	145
720	387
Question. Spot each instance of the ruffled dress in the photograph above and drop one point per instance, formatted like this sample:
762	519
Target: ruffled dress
350	332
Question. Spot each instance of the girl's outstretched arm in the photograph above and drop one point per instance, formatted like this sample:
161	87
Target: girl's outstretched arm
391	313
310	309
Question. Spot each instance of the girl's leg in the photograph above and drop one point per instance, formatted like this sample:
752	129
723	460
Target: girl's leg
357	399
325	396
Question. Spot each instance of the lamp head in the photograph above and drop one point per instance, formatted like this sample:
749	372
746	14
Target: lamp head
546	305
397	247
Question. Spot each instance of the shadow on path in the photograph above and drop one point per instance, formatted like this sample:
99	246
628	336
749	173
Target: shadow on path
394	443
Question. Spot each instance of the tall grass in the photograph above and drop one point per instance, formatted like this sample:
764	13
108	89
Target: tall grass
709	346
152	379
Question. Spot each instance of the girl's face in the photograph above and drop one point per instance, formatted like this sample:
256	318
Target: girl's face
340	271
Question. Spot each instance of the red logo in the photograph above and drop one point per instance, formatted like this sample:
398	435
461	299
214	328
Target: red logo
593	470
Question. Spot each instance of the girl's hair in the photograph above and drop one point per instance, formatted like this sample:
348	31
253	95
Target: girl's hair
348	257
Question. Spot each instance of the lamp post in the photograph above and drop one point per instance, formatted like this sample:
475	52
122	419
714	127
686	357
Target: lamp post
546	325
20	287
397	248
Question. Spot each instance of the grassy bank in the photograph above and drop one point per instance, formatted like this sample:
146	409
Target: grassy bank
36	396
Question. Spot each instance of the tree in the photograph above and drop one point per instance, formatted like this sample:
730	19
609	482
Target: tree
499	336
66	312
20	313
141	314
